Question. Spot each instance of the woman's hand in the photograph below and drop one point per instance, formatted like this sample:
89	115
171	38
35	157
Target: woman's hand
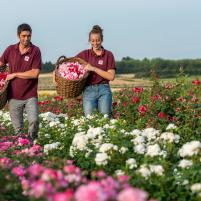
89	67
10	76
109	74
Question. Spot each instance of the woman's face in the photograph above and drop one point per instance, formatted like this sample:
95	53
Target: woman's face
95	40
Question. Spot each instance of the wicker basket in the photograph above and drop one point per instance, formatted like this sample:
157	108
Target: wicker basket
69	88
3	92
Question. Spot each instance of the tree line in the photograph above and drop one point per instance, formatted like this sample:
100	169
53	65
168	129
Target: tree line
142	68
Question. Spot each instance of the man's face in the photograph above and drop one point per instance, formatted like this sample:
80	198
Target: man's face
25	38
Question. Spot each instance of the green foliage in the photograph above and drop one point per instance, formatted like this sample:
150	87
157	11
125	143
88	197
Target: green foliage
47	67
164	68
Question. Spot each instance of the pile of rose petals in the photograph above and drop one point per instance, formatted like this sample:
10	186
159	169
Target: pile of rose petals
3	76
71	70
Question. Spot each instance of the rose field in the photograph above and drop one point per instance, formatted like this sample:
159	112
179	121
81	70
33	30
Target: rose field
150	150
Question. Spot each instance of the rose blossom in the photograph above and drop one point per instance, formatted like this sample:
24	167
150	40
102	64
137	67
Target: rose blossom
142	109
196	82
132	194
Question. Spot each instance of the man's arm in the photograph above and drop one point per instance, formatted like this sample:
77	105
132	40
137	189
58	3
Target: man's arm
30	74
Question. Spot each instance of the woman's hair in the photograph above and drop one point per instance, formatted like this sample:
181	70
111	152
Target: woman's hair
96	29
23	27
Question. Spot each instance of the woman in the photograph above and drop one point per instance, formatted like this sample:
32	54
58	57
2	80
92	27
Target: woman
101	64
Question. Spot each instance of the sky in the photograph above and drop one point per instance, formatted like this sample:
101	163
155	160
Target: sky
169	29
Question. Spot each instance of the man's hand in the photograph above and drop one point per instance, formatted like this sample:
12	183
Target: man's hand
10	76
1	64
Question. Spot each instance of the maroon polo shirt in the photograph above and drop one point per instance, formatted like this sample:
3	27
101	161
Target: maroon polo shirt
22	89
105	61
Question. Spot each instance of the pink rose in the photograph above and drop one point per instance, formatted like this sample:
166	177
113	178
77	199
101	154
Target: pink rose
22	142
38	189
35	150
66	196
5	162
19	171
161	115
196	82
49	174
70	169
25	184
5	145
135	99
138	89
35	170
142	109
132	194
90	192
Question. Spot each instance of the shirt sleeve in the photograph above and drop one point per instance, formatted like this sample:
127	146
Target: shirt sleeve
83	55
5	56
80	55
37	60
111	62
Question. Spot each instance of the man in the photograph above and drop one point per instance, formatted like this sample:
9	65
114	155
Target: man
24	61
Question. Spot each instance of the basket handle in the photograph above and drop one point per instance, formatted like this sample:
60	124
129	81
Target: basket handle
60	59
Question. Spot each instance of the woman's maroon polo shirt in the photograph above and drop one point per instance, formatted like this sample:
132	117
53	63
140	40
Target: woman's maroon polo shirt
22	89
105	61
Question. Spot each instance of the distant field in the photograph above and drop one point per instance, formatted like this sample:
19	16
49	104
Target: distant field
121	81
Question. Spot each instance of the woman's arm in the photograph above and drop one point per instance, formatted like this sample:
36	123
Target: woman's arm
109	74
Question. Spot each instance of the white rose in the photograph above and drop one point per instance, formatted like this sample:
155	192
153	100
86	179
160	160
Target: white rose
131	162
196	187
101	159
140	148
144	171
185	163
190	149
171	127
153	150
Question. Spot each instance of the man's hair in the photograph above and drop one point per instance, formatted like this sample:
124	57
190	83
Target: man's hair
23	27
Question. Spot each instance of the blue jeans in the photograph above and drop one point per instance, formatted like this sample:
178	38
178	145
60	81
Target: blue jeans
97	97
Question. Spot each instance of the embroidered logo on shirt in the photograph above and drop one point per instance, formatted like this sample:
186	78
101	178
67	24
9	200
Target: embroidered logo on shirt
100	62
26	58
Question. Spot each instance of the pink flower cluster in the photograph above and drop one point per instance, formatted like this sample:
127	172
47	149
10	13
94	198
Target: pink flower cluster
137	93
19	145
71	70
70	184
3	76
